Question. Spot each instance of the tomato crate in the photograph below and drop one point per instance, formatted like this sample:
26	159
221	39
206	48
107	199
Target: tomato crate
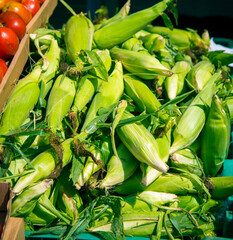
17	63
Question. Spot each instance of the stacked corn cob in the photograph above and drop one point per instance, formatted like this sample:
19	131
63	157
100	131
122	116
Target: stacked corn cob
125	136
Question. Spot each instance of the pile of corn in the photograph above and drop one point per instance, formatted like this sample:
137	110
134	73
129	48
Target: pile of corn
120	129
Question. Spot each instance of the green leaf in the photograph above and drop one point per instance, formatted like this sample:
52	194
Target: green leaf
96	122
138	118
78	164
176	100
97	64
220	56
175	223
167	21
19	152
175	12
120	110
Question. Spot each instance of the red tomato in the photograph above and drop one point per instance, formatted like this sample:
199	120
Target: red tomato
41	1
3	66
14	21
2	2
19	9
32	5
9	43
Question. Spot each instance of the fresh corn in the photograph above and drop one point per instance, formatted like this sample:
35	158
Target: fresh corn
26	201
108	93
88	85
141	143
153	42
193	119
187	159
215	136
44	164
158	198
200	74
175	84
79	32
172	183
122	29
22	100
68	199
229	102
60	101
182	39
139	64
133	44
220	187
141	94
91	166
149	174
53	56
119	169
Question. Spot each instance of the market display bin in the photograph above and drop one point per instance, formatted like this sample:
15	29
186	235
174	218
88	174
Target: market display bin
227	213
16	65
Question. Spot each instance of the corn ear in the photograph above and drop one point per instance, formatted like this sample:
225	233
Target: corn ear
153	42
193	119
68	199
229	102
175	84
92	166
139	64
221	187
182	39
215	136
105	57
141	94
26	201
158	198
108	93
149	174
200	74
133	44
119	169
141	143
187	159
40	216
60	101
44	165
53	56
79	32
88	85
22	100
122	29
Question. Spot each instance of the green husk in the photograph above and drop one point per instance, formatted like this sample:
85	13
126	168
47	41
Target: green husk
200	74
26	201
142	65
79	32
44	165
119	169
122	29
192	121
141	143
21	101
60	101
215	136
108	93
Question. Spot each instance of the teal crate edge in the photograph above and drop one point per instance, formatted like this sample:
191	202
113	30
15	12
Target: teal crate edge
86	236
